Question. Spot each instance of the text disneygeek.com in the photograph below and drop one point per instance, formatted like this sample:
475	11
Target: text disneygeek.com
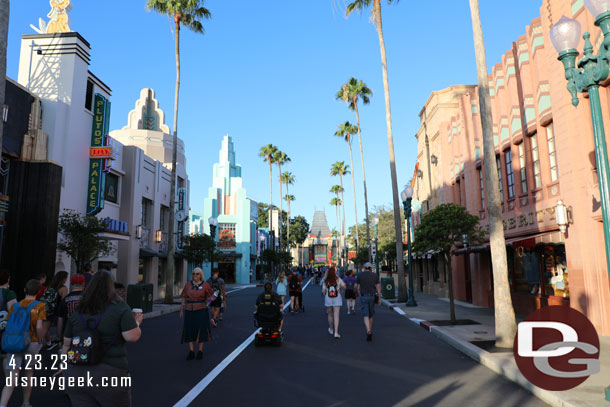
61	382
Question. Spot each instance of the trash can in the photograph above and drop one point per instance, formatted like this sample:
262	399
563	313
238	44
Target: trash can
388	291
140	296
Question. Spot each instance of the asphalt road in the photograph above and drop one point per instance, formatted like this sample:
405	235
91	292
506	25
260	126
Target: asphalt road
403	365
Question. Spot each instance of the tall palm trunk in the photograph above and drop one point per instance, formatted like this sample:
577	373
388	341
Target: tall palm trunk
288	223
171	241
270	220
366	199
506	325
402	286
351	158
279	218
4	14
342	208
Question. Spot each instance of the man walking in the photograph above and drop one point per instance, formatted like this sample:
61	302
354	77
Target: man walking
218	285
88	273
367	285
70	302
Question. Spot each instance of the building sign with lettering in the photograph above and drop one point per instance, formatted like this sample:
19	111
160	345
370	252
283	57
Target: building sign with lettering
98	166
541	218
226	240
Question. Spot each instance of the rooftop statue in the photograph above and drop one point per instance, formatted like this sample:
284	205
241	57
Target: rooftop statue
59	21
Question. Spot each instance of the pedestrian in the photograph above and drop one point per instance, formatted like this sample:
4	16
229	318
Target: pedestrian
331	290
88	273
281	285
8	297
51	298
295	282
218	286
42	277
350	293
194	310
100	309
69	303
14	360
368	288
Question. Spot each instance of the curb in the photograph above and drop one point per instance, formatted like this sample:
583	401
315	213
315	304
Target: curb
158	313
504	367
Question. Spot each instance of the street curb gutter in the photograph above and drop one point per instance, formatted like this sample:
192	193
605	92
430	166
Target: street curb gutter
167	310
505	367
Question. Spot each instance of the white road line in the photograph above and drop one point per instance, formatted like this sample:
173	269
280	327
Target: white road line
199	387
240	288
399	310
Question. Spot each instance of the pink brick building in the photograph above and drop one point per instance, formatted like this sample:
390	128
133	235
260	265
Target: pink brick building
545	152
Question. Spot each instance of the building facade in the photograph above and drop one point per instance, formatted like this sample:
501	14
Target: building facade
544	153
236	215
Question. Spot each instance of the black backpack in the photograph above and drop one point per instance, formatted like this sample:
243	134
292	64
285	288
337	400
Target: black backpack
294	283
86	347
215	284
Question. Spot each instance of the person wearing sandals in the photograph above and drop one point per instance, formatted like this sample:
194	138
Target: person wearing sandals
331	290
194	309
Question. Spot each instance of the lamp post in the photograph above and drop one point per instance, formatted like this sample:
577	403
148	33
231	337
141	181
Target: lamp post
407	196
592	71
213	225
375	222
561	216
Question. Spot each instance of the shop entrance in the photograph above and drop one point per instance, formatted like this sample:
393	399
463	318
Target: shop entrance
226	271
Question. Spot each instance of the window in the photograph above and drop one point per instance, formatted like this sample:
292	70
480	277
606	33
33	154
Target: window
550	138
482	186
522	169
89	95
536	160
510	176
164	218
459	192
499	166
146	205
111	190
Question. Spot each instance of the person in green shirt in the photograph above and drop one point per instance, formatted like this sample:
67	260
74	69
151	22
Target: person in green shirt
117	325
9	297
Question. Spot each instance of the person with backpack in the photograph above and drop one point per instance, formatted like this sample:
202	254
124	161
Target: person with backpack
369	290
22	336
69	303
94	342
350	292
51	298
331	290
294	289
218	285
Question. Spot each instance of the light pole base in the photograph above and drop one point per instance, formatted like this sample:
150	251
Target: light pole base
411	302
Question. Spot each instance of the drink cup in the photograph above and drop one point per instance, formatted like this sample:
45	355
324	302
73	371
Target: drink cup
137	312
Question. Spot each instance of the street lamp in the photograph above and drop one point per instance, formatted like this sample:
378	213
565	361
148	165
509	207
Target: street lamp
213	225
376	224
592	71
158	236
407	196
561	216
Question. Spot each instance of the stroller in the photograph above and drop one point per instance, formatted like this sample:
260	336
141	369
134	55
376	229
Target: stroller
268	317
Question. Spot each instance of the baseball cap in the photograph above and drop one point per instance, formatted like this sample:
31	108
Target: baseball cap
368	265
77	279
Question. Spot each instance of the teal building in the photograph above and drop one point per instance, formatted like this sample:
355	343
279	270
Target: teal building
236	214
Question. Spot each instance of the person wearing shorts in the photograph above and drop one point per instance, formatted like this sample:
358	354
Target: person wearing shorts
369	289
218	285
13	361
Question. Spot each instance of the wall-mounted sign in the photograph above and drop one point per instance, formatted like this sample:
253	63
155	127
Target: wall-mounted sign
226	240
181	198
101	152
97	166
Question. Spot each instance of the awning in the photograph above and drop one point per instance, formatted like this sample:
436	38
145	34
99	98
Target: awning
554	238
146	252
113	236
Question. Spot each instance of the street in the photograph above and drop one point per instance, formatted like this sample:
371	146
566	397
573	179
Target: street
403	365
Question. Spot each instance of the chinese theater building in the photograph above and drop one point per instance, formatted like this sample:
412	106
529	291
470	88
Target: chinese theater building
544	153
236	214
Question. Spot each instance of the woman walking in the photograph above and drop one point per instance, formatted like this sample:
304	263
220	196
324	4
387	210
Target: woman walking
331	290
51	298
281	285
101	309
194	309
350	293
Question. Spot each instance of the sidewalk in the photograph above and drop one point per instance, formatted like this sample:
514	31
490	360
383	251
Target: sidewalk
431	308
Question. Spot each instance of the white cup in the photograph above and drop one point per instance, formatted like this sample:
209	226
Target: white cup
137	312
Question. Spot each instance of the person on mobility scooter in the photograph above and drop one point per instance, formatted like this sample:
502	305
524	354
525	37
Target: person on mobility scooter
269	317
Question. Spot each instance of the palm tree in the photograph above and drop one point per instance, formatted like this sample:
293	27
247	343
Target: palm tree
506	325
340	168
336	202
376	11
350	93
288	179
288	198
189	13
346	130
268	154
4	14
280	159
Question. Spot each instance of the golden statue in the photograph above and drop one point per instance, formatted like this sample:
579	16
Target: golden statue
59	20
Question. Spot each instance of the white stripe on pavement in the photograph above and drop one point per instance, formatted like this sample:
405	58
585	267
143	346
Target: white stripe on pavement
399	310
205	382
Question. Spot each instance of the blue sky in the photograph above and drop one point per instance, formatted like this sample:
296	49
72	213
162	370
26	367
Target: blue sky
267	72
